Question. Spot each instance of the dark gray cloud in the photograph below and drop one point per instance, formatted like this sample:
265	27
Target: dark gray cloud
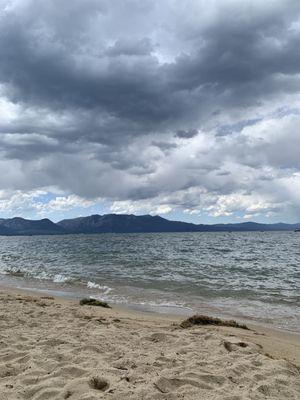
133	100
187	134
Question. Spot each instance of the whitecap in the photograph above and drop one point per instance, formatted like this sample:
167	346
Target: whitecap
60	278
93	285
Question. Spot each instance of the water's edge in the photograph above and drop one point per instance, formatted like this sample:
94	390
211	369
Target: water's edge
250	277
144	309
70	293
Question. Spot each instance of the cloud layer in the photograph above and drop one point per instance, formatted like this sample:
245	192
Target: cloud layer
151	106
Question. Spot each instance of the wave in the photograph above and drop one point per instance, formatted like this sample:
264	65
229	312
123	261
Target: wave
93	285
14	272
59	278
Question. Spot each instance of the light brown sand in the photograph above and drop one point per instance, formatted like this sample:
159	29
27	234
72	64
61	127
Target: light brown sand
52	349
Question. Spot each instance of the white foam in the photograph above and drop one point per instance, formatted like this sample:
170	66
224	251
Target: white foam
41	275
60	278
93	285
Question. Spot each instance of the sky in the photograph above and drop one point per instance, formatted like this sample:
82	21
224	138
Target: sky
186	109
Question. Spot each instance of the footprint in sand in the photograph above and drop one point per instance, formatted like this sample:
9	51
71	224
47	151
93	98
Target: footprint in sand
84	388
159	337
166	385
71	371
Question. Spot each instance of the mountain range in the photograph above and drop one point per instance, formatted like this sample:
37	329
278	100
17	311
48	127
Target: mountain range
123	223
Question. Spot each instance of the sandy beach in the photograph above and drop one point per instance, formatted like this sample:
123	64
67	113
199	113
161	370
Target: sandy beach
53	348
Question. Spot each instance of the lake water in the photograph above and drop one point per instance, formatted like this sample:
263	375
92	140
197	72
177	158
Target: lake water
250	276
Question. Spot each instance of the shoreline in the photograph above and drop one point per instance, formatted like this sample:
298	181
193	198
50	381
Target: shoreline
280	336
53	348
149	308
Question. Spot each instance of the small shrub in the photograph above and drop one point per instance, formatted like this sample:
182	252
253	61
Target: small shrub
94	302
206	320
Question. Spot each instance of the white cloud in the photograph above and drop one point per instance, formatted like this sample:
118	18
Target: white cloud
64	203
250	204
17	203
140	207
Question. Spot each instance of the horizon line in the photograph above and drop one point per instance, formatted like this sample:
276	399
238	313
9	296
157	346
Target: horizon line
157	215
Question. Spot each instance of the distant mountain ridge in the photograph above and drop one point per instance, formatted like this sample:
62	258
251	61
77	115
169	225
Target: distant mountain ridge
124	223
21	226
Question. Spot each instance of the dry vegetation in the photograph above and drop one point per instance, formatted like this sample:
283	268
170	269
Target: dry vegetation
206	320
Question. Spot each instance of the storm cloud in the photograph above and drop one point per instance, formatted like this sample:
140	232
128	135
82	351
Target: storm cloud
150	106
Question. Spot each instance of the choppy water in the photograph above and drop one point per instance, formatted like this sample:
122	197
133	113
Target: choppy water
247	275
